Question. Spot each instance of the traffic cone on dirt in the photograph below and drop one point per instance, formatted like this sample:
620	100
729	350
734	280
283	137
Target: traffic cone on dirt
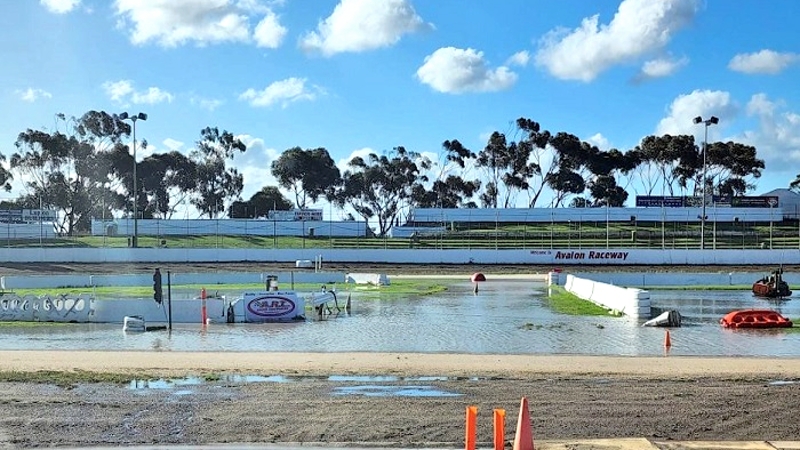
523	440
667	340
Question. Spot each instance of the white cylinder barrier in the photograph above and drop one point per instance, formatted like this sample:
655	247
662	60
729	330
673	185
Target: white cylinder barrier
629	301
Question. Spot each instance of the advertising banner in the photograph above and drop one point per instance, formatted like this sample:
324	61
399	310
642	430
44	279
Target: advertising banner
273	306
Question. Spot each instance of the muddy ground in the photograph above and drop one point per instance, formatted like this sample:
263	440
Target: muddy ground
317	410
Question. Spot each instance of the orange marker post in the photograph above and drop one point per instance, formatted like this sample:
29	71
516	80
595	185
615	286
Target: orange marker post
499	429
203	313
472	428
667	340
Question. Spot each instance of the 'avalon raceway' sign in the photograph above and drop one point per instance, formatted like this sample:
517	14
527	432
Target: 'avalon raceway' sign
591	255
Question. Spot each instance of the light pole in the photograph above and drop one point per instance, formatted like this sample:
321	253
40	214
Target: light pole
712	121
134	118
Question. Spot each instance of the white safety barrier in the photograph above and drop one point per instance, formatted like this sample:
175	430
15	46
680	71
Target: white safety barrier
31	308
377	279
629	301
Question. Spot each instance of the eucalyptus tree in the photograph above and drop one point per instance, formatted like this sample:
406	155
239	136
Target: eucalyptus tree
539	161
309	174
70	169
269	198
505	162
667	163
381	187
5	176
451	192
448	188
569	156
604	167
731	168
216	183
168	181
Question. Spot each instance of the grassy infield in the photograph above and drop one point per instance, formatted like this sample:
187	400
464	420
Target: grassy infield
560	301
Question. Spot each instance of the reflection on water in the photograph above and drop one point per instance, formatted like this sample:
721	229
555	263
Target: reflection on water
508	317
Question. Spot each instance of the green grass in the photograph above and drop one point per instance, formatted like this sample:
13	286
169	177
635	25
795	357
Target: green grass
397	288
68	378
564	302
576	235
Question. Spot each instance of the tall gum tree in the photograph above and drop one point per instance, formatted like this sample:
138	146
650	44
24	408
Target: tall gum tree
217	184
539	161
381	187
70	169
309	174
448	188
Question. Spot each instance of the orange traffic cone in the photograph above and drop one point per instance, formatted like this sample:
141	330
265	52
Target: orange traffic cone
667	340
523	440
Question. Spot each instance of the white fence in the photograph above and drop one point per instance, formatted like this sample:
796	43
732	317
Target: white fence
563	215
230	227
14	231
554	257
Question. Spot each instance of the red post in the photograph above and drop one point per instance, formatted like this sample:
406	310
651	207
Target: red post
472	428
499	429
203	314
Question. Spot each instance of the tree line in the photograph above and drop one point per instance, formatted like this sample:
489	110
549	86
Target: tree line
84	169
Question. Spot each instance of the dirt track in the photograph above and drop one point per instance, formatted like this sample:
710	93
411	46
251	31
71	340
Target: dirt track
569	398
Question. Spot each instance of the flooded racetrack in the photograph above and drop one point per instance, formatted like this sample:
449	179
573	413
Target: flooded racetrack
507	317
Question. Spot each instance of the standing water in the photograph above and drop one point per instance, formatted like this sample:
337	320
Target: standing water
504	317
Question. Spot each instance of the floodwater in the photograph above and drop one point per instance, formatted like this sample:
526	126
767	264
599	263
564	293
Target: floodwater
506	317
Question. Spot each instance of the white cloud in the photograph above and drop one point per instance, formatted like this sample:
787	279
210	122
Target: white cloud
33	94
177	22
172	144
151	96
661	67
284	92
360	25
599	141
703	103
255	165
364	152
60	6
519	59
639	27
778	137
206	103
122	92
455	71
118	90
269	32
764	62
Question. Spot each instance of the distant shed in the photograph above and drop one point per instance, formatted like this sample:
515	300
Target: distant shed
788	202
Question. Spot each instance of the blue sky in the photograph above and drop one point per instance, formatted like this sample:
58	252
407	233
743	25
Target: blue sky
358	76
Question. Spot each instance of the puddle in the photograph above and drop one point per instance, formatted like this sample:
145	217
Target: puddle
362	379
394	391
375	390
782	382
196	381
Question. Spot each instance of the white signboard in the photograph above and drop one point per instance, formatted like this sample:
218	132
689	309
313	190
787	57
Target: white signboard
273	306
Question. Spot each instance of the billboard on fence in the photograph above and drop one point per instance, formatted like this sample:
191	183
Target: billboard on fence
649	201
658	201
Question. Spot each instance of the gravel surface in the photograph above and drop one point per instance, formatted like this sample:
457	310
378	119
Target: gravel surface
429	414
